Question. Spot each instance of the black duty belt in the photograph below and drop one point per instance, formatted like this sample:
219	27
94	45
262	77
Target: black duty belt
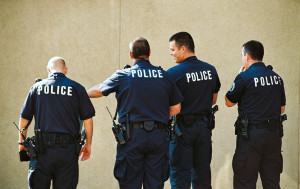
258	126
192	116
54	138
148	125
71	139
270	124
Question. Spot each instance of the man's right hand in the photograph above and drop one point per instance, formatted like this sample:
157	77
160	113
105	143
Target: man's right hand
243	68
86	152
22	148
23	154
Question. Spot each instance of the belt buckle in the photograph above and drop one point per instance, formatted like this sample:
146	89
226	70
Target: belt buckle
149	125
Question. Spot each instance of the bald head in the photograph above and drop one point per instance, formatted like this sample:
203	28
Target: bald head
57	64
139	48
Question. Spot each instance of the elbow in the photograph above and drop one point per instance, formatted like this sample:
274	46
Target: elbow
228	103
177	109
214	102
95	92
177	112
174	110
215	97
89	92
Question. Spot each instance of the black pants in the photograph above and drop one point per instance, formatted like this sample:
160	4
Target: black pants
57	164
143	160
259	154
190	157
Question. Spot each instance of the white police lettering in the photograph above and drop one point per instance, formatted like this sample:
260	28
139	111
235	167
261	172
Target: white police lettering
275	80
267	81
154	73
146	73
39	89
159	74
52	92
262	81
46	89
139	72
69	91
63	90
133	72
55	90
199	76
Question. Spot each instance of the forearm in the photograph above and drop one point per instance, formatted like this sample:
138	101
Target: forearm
282	109
228	103
22	123
95	92
174	110
215	97
88	126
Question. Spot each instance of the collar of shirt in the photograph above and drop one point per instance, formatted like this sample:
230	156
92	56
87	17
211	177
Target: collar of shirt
189	59
57	74
257	64
142	63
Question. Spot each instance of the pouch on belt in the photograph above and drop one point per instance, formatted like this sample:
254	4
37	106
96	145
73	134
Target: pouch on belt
149	125
49	139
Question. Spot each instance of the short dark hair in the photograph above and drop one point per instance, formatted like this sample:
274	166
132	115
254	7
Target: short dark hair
255	49
183	39
139	48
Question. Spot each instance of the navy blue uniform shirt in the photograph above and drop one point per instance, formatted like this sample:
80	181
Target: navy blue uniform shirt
197	82
57	103
261	92
144	91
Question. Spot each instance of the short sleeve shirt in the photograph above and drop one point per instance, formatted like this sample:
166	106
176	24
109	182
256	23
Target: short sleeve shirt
259	92
57	104
197	81
144	91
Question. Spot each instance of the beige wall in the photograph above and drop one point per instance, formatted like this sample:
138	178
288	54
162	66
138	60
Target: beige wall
93	38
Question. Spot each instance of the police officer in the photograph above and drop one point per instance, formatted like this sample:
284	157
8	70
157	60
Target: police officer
57	103
260	95
149	97
198	81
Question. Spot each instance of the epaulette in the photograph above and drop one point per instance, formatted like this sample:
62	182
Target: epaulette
127	66
270	67
37	80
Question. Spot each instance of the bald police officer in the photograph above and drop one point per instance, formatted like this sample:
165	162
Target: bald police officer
260	95
198	81
57	104
149	97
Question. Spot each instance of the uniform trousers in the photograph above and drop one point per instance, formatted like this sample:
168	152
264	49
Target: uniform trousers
261	153
143	160
190	156
56	163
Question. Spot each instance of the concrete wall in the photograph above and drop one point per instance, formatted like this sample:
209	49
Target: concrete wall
93	38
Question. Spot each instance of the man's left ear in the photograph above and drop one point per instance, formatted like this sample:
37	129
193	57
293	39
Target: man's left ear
149	52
